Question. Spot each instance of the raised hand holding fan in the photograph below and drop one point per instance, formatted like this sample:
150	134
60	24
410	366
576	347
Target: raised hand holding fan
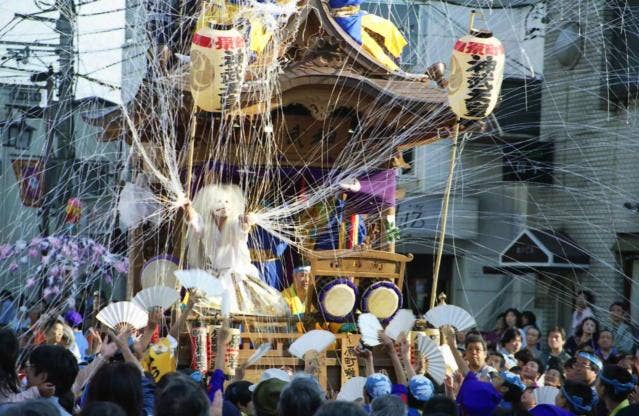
157	296
451	315
369	327
403	321
123	314
435	363
200	280
315	340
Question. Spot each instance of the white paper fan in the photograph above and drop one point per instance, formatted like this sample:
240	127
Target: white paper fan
369	327
156	296
158	271
450	315
117	314
317	340
352	390
449	358
403	321
200	280
436	365
258	354
545	394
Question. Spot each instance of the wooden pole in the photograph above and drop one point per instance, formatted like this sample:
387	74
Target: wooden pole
444	216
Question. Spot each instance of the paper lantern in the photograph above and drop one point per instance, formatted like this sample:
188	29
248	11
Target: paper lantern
477	70
218	63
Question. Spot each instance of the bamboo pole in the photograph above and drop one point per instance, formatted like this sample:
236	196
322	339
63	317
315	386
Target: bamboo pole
444	215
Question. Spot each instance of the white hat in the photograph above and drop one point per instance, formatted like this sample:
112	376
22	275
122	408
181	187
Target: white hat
269	374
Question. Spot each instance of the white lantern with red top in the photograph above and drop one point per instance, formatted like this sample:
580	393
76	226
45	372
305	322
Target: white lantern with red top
477	71
218	64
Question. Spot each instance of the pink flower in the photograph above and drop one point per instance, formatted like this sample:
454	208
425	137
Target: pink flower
33	252
121	266
5	251
51	291
30	282
98	249
13	266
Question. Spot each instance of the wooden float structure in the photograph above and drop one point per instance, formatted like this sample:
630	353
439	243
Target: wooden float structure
328	88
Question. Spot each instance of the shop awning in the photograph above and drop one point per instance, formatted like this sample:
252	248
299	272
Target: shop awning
541	250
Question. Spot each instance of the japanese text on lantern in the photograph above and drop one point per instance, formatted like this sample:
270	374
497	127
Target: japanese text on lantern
230	78
476	48
228	42
480	84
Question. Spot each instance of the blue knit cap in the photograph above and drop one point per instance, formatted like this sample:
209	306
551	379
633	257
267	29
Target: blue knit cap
377	385
421	388
513	380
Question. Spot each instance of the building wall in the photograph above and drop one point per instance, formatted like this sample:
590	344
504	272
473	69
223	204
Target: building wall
94	185
502	207
16	220
595	159
500	214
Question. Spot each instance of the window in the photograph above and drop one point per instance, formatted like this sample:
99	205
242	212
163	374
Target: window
16	134
621	57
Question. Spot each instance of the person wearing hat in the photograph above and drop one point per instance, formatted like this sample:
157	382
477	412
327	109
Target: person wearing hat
477	398
420	390
512	388
587	367
614	385
549	410
295	294
377	385
74	320
266	396
576	397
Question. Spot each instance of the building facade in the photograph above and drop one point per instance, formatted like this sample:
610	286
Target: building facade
488	207
589	112
545	202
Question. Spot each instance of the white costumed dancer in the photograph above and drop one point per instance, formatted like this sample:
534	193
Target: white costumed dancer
222	250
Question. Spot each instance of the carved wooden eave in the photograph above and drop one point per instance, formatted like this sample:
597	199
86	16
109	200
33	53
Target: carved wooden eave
325	70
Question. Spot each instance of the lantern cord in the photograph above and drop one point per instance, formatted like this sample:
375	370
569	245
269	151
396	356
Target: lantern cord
444	216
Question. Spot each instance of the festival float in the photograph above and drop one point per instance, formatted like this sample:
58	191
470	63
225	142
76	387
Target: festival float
273	143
